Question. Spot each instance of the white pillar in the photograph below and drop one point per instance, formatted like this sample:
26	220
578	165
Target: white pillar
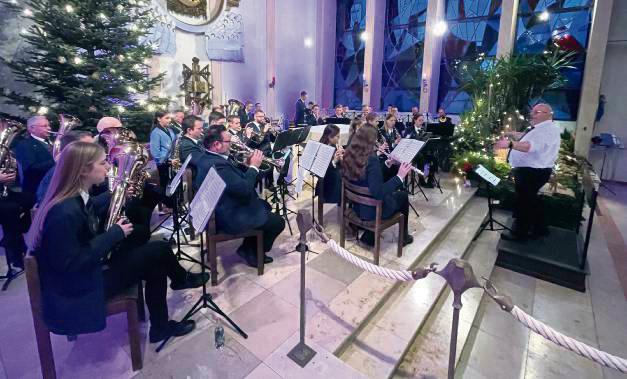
326	14
507	28
431	58
593	73
373	54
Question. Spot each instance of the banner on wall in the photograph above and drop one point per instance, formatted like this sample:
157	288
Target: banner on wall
220	21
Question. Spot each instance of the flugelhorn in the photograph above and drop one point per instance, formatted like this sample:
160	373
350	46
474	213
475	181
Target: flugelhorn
245	152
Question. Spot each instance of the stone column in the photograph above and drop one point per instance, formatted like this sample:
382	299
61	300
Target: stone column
507	28
431	58
373	54
270	106
593	73
326	13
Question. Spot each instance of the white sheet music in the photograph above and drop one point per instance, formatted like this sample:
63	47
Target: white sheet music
177	178
309	154
206	199
487	175
406	150
317	157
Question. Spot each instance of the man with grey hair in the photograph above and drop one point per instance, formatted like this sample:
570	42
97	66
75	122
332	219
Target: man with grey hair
532	155
34	154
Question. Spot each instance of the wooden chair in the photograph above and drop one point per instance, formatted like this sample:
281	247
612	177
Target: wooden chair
361	195
123	303
213	238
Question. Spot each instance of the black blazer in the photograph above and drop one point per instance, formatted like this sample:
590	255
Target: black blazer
70	265
380	190
240	208
34	159
410	132
187	147
299	114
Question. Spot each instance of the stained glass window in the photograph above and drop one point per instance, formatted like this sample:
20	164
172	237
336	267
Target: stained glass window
403	52
566	24
473	28
349	53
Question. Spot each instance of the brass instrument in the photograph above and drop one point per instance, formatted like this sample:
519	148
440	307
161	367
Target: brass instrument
233	107
175	154
112	137
66	123
244	152
130	160
8	165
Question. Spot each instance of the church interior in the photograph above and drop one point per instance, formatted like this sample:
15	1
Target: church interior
270	189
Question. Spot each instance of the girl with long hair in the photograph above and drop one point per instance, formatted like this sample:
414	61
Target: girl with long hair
330	187
361	167
355	125
67	239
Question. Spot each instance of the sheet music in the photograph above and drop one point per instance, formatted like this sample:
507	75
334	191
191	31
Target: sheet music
309	154
206	199
323	159
487	175
406	150
177	178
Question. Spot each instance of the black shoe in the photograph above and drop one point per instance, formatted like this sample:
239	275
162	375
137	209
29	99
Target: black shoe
192	280
367	238
407	239
511	236
174	329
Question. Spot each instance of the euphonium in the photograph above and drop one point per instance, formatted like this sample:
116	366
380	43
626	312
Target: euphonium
66	123
233	107
8	130
130	159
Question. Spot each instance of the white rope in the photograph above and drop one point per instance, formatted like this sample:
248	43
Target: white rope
571	344
400	275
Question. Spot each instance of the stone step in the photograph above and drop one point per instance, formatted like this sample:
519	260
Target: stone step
428	354
378	347
335	325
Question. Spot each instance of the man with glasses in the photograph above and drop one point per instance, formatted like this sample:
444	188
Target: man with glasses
240	209
532	155
34	154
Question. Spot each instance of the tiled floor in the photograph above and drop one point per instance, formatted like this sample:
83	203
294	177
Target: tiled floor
338	295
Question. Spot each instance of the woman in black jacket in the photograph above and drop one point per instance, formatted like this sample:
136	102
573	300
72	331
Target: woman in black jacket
80	265
331	185
361	167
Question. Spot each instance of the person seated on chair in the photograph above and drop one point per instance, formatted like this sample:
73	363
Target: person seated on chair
81	265
361	167
14	219
191	141
354	127
330	187
240	209
34	154
425	162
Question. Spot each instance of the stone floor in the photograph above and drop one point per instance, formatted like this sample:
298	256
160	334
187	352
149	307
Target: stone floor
266	307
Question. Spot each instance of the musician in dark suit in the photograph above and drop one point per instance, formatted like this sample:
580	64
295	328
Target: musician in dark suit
240	209
443	119
246	115
389	137
257	136
418	127
34	154
361	167
67	238
301	106
191	141
177	120
15	219
425	162
330	187
313	116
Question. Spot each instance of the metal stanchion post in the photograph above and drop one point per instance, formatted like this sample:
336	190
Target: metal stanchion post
301	353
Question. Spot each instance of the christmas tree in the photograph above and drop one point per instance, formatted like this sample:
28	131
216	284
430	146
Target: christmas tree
87	58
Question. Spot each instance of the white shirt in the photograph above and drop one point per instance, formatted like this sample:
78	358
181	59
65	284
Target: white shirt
84	196
544	139
40	139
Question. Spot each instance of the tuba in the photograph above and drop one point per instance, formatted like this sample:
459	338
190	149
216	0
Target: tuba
131	160
233	107
112	137
66	123
8	130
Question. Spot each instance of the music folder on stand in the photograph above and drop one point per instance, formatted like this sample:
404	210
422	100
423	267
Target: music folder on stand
490	180
201	209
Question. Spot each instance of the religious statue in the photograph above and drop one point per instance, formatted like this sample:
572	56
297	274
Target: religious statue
197	83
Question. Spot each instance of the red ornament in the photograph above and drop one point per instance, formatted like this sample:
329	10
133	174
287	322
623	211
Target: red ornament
467	167
567	42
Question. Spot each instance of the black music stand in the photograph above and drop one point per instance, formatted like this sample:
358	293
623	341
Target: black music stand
490	181
431	148
214	186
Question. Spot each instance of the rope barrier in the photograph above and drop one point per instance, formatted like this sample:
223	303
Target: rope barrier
569	343
580	348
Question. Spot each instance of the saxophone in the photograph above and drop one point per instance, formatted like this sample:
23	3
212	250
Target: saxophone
175	154
131	160
8	130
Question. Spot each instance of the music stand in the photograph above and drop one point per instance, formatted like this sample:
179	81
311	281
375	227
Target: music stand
490	181
201	209
316	159
431	146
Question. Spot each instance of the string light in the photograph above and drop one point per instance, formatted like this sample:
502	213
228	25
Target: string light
42	110
69	8
78	60
121	109
27	12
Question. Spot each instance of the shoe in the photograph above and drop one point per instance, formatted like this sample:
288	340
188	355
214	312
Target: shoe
367	238
407	239
174	329
510	236
192	280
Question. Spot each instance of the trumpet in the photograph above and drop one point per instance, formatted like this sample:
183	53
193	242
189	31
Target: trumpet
390	157
238	147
